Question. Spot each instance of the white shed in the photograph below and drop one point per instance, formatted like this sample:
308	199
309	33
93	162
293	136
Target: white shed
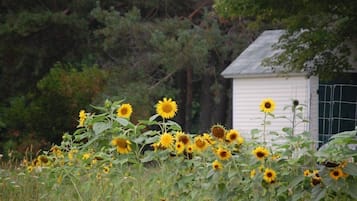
253	82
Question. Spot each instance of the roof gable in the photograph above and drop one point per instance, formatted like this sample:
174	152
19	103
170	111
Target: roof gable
249	62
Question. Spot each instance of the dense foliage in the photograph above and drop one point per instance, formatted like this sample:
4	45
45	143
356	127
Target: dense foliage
144	49
320	33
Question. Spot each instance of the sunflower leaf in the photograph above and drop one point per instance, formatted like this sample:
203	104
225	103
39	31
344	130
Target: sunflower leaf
100	127
122	121
351	169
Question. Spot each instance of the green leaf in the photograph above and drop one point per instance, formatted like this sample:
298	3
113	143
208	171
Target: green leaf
351	169
99	127
147	158
318	193
296	181
153	117
287	130
352	190
122	121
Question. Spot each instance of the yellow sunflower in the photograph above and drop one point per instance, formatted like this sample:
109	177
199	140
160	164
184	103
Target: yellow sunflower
166	108
180	147
208	139
82	118
125	110
240	140
267	105
252	173
106	169
29	168
218	131
86	156
123	145
336	173
166	140
232	135
269	175
307	173
72	153
183	137
260	153
223	154
217	165
315	181
200	143
43	160
190	148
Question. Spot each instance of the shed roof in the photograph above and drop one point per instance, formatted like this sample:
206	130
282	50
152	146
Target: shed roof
249	62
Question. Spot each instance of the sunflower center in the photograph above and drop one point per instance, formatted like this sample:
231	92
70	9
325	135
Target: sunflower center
336	173
232	137
200	143
184	139
218	132
267	105
260	154
124	111
269	174
223	154
167	108
121	143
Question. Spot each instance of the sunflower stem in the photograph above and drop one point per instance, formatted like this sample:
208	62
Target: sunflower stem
264	127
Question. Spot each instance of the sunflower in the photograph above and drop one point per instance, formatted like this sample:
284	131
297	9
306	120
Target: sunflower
269	175
200	143
316	173
125	111
180	147
336	173
43	160
252	173
86	156
261	153
166	108
218	131
223	154
315	181
106	169
82	118
217	165
182	137
232	135
29	168
208	139
166	140
190	148
240	140
123	145
267	105
307	173
71	153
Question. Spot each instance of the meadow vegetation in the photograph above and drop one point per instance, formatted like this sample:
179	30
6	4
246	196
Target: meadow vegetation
109	157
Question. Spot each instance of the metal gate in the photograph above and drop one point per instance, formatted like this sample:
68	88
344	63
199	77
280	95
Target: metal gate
337	109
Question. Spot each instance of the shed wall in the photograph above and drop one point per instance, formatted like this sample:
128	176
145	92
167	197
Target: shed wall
249	92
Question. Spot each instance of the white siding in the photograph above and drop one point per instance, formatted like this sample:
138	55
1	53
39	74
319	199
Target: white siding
249	92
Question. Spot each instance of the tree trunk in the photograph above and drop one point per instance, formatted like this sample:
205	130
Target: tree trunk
188	105
206	102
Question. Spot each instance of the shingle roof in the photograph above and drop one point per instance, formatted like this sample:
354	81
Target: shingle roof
249	62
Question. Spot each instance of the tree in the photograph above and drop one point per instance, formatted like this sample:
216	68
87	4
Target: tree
318	32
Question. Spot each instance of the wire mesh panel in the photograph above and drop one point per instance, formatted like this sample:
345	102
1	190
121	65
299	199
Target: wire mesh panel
337	109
